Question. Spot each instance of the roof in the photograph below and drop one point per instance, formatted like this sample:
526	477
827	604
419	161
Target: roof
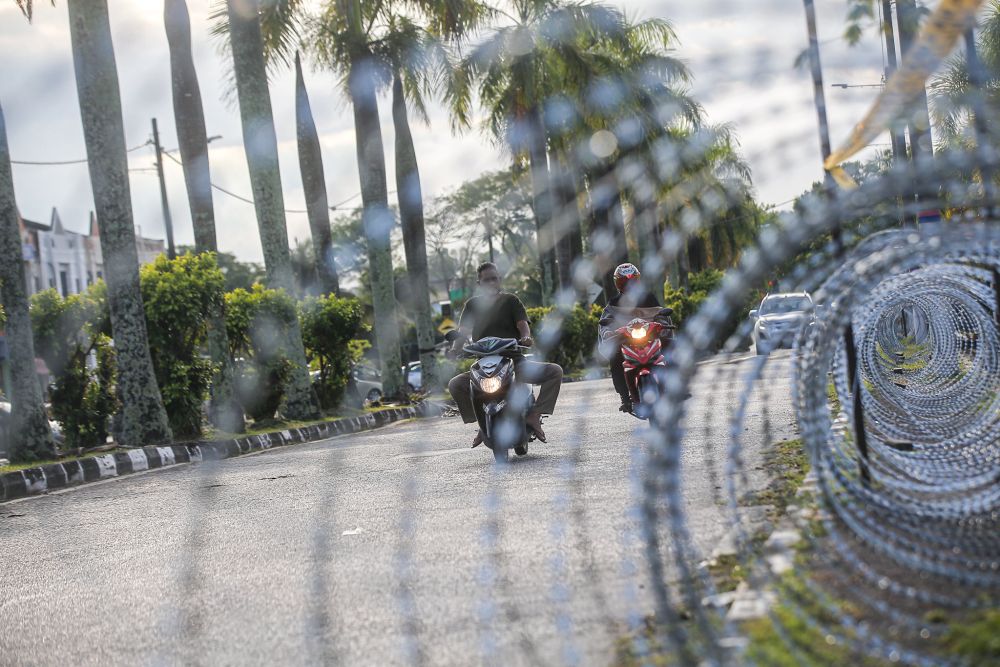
37	226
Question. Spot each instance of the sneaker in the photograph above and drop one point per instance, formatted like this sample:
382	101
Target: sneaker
626	406
534	422
478	440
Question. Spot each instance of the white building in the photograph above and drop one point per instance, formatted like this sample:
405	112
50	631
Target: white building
67	261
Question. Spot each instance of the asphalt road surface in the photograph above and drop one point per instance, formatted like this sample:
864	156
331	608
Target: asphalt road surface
398	546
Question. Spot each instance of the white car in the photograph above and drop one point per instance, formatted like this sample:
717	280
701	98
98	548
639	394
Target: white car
779	319
413	377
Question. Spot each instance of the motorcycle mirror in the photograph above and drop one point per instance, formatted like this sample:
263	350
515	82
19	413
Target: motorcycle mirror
667	311
753	314
451	336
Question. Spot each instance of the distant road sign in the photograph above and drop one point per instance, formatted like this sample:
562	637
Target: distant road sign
930	215
447	324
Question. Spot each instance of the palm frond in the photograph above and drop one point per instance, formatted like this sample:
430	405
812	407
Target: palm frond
27	9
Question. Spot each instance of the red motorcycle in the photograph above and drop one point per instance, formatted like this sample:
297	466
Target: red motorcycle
644	341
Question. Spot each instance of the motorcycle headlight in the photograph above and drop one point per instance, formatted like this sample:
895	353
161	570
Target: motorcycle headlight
490	385
638	333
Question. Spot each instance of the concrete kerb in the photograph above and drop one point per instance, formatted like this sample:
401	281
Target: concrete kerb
40	480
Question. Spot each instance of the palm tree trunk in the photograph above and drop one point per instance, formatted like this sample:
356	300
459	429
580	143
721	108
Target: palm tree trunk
565	220
314	186
919	119
608	226
377	218
30	436
647	225
144	421
541	194
411	215
261	147
189	117
571	174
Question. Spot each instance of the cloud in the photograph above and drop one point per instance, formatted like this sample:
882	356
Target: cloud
740	53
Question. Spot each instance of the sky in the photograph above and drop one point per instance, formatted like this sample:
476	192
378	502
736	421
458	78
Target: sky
741	55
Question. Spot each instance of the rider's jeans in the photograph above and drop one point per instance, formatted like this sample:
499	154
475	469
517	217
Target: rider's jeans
549	376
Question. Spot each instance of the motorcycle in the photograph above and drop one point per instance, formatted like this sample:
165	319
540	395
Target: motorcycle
643	340
500	402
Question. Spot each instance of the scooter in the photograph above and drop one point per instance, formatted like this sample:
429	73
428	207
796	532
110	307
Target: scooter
500	402
644	340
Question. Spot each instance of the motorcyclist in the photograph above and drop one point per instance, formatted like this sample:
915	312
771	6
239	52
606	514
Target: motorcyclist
493	312
632	294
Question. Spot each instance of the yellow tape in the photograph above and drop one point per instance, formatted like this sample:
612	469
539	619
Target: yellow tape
933	45
842	178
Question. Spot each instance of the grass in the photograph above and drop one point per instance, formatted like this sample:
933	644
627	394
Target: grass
270	426
800	642
916	352
832	399
802	629
211	435
977	639
789	463
727	572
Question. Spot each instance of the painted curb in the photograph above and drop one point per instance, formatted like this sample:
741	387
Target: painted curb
36	481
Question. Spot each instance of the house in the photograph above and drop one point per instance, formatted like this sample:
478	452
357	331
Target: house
69	262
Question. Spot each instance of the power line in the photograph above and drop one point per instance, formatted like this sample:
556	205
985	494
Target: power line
64	162
339	206
228	192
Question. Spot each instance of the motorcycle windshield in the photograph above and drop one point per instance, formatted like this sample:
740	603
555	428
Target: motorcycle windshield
622	316
491	345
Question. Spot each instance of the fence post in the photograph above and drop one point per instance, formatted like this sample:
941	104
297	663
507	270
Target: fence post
854	381
996	296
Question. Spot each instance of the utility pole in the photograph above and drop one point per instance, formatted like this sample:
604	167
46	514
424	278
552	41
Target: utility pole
167	222
896	134
819	96
921	142
853	379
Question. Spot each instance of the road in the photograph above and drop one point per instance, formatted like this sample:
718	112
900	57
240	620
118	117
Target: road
372	549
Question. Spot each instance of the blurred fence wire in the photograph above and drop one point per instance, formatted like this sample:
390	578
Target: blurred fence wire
892	383
894	380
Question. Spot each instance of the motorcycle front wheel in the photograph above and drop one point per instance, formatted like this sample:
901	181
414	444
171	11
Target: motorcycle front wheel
649	392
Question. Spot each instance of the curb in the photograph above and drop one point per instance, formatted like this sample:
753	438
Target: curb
40	480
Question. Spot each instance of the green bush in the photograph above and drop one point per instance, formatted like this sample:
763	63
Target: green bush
178	296
573	345
66	333
257	322
686	303
329	328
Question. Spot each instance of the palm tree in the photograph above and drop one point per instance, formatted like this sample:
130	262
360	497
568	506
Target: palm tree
26	7
955	99
414	56
411	215
343	42
189	117
249	68
144	419
550	49
30	436
515	70
314	186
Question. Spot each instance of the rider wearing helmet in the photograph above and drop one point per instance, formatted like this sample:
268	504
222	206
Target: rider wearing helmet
631	294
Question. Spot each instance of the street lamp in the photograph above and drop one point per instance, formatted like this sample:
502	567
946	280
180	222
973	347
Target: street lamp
213	138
